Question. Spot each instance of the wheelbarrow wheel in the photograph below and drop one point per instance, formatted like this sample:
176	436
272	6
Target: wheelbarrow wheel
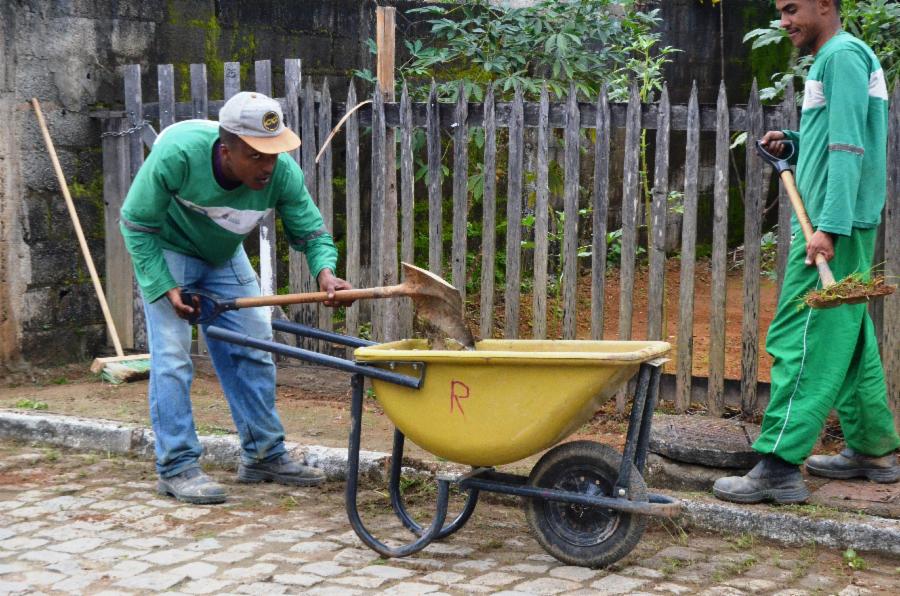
578	534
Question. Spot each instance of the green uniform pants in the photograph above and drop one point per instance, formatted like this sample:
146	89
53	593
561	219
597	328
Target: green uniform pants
825	359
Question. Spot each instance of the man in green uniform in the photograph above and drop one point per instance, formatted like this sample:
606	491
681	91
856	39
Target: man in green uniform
827	359
203	189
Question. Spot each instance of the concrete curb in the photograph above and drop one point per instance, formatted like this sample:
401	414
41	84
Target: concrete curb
861	532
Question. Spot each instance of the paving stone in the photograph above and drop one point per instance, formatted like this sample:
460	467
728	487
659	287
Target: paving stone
69	566
792	592
385	572
65	503
722	591
496	578
854	591
315	546
287	536
146	543
4	533
360	556
526	568
419	563
543	557
128	569
242	530
44	556
7	505
171	556
205	545
257	571
133	513
296	560
473	589
681	553
573	573
77	583
153	523
476	565
154	581
324	568
195	570
113	554
754	586
110	505
618	584
188	513
304	580
261	589
30	496
163	503
411	588
7	587
770	572
817	582
228	556
79	545
358	581
450	550
43	578
27	527
547	585
444	577
205	586
333	591
7	568
673	589
22	543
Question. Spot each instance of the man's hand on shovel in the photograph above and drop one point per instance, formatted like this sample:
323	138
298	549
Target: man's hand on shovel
330	283
821	243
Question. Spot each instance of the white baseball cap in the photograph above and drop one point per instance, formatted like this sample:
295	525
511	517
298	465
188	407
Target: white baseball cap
259	122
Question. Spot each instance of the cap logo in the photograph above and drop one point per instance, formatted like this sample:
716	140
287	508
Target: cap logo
270	121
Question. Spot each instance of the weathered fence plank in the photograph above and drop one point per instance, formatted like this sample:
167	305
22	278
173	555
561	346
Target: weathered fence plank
685	350
719	263
199	93
119	275
376	226
753	214
407	205
514	217
541	224
570	206
231	81
268	259
657	229
435	177
489	216
325	198
460	192
354	225
890	347
165	75
134	110
600	212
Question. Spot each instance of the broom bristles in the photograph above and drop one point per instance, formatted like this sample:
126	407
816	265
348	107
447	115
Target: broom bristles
122	369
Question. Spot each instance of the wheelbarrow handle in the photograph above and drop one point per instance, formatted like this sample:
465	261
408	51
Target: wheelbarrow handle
783	168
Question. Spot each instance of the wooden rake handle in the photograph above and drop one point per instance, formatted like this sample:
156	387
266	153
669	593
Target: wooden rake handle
787	178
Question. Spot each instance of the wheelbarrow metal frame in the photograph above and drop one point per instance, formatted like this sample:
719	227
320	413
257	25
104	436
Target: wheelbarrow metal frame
635	452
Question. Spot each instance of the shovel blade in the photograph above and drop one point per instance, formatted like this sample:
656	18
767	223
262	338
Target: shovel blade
437	302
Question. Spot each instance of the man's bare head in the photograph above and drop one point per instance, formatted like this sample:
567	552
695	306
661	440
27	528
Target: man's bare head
810	23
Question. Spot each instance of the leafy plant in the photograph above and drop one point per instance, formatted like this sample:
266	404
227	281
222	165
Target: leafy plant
28	404
854	561
582	44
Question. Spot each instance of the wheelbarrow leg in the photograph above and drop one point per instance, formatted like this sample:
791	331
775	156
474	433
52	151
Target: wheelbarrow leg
350	495
639	423
400	507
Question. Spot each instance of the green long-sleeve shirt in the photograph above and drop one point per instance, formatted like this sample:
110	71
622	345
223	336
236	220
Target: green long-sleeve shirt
841	166
175	203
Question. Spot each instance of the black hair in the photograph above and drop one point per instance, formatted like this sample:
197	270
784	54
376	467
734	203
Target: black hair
228	138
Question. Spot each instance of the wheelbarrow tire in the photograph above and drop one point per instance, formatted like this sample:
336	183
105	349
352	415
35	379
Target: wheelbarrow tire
578	535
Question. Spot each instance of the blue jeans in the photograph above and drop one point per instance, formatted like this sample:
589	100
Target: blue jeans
247	375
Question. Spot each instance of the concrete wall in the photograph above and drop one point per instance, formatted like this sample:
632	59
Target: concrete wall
68	53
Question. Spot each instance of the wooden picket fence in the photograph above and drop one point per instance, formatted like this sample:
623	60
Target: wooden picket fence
314	113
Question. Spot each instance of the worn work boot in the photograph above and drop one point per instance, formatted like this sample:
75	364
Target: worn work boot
192	486
773	479
282	470
850	464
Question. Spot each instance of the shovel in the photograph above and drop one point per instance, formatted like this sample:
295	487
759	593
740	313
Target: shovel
850	290
436	301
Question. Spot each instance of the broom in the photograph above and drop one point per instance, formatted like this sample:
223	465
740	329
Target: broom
119	368
853	289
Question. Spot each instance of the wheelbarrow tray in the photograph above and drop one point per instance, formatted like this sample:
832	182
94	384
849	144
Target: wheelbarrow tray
506	399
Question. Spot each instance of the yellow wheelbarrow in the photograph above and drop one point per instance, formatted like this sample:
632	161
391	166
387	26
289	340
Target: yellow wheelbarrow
506	400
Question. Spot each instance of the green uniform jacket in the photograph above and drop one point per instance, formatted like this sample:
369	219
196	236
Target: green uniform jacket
842	141
175	203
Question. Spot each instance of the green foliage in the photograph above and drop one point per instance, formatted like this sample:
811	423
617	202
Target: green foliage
876	22
854	561
582	44
28	404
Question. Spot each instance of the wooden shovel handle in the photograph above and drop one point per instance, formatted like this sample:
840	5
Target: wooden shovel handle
797	203
311	297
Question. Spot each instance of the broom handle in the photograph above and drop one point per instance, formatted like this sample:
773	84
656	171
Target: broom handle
825	273
98	287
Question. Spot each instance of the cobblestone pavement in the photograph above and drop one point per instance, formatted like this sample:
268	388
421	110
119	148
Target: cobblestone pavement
79	523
